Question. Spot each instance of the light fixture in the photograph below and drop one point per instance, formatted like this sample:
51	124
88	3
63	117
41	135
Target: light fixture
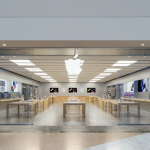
112	69
121	64
25	64
105	74
72	81
99	77
73	66
92	81
125	62
22	62
45	76
50	79
72	76
41	74
4	44
33	69
142	44
95	79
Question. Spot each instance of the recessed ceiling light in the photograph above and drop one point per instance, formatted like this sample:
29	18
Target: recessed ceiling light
125	62
142	44
72	81
25	64
121	64
21	61
99	77
45	76
40	74
50	79
72	76
95	79
112	69
4	44
105	74
33	69
92	81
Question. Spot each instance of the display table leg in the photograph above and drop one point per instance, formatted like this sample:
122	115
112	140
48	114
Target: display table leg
138	110
7	110
18	110
127	109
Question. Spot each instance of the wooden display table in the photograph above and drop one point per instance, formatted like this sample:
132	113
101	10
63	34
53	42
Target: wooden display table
28	104
54	99
133	99
119	104
9	100
65	104
92	99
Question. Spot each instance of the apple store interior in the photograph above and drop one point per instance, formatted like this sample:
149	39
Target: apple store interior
81	87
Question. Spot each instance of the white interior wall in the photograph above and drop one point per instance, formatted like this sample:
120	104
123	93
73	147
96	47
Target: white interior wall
81	89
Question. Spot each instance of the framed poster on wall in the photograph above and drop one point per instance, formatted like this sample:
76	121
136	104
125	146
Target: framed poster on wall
72	90
53	90
143	85
91	90
14	86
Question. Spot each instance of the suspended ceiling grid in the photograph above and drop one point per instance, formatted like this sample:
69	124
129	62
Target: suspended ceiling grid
96	60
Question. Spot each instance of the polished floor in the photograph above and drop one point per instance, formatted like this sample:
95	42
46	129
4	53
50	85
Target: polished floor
95	116
73	141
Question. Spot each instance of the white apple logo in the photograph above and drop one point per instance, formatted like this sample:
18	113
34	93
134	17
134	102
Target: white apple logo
73	66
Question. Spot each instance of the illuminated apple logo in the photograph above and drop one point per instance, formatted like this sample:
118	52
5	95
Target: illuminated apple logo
73	66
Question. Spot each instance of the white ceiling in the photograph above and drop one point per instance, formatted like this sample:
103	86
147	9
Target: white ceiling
96	60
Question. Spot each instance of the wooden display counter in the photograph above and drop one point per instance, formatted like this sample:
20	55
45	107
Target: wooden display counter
9	100
134	99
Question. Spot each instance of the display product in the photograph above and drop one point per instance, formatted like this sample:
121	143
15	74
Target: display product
130	87
72	90
53	90
5	95
91	90
143	85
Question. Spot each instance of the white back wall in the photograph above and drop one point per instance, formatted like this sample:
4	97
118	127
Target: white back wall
81	89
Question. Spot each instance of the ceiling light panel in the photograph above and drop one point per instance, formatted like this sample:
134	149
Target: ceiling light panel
33	69
45	76
112	69
21	61
92	81
41	74
121	64
95	79
72	76
50	79
125	62
99	77
105	74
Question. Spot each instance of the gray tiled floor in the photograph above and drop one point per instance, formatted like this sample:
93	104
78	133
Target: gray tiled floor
53	116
